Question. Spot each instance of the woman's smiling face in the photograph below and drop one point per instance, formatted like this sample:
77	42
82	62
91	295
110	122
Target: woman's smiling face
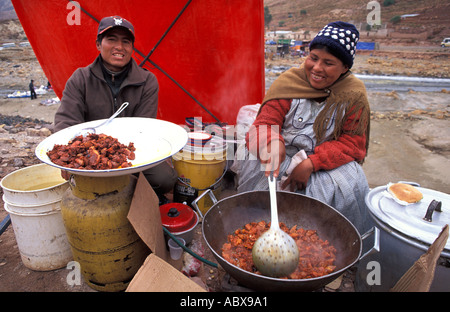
323	69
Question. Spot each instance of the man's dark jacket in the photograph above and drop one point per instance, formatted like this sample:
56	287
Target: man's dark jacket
87	96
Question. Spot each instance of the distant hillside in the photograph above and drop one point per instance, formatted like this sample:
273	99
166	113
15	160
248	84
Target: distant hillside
433	15
7	10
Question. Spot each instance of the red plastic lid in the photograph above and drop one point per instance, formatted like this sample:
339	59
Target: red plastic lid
177	217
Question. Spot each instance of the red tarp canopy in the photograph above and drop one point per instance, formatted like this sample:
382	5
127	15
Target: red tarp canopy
214	50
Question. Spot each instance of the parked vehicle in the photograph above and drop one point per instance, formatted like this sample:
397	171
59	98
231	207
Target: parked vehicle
445	43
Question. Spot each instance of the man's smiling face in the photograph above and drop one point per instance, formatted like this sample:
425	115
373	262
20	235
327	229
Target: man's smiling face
116	48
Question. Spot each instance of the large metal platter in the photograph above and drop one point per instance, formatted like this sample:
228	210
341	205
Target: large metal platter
154	140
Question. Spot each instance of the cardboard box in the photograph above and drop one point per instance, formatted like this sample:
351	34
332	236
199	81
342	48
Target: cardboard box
156	275
159	273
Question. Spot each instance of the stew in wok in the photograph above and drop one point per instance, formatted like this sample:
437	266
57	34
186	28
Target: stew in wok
317	257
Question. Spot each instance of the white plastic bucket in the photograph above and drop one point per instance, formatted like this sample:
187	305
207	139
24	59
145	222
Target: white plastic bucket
32	197
34	185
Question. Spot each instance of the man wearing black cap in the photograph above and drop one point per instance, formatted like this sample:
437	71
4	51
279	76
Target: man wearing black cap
97	90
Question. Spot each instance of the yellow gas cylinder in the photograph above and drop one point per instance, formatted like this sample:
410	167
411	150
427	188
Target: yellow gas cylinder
102	240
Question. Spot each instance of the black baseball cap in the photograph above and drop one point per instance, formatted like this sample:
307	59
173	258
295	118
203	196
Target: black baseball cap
114	21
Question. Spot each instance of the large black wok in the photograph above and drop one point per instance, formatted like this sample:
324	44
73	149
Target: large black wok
231	213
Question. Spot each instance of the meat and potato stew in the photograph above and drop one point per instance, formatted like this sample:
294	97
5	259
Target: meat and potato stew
317	257
93	152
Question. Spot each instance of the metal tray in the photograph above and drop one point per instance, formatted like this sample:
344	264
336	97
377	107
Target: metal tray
154	140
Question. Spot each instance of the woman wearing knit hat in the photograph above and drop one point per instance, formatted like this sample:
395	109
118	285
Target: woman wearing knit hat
312	129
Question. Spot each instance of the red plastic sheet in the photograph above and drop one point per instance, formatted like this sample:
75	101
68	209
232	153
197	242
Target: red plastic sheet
214	50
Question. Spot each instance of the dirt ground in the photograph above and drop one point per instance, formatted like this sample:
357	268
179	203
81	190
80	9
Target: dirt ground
410	141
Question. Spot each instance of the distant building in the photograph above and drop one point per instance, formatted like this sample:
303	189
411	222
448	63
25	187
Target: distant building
288	34
279	34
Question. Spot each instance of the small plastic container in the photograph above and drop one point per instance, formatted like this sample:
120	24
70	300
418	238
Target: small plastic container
176	250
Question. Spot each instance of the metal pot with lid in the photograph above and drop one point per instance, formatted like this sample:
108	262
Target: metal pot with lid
406	233
179	219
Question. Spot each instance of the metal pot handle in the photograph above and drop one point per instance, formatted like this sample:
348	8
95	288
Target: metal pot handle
211	195
376	241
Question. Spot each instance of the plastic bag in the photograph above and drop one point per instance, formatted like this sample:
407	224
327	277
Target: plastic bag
245	118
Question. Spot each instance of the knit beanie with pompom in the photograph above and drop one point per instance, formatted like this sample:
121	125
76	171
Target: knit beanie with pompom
341	39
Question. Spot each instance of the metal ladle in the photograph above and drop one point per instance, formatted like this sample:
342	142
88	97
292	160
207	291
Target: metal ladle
106	122
275	252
